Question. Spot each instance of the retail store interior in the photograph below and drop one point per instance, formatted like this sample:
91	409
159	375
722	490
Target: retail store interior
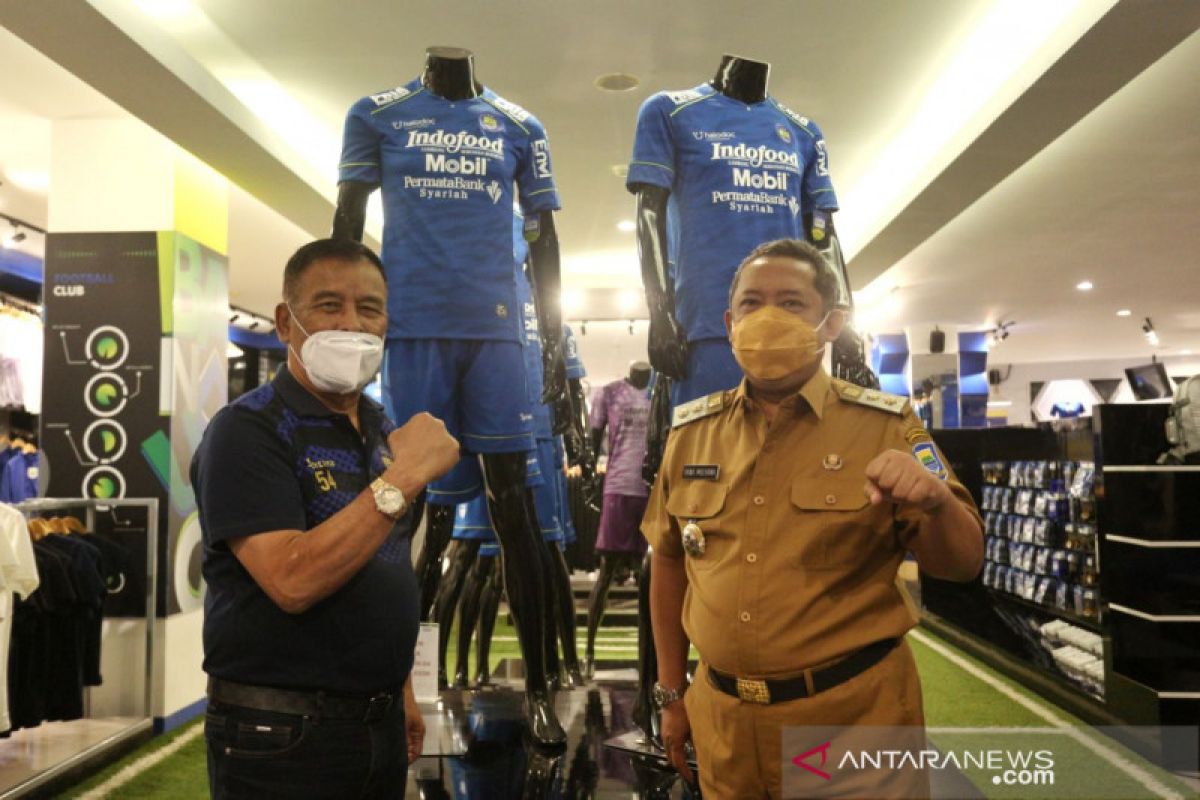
1017	213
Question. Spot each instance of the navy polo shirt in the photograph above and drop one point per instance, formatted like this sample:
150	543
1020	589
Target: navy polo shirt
277	459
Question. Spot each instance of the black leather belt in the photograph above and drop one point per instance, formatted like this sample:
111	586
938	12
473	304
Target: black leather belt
319	705
766	692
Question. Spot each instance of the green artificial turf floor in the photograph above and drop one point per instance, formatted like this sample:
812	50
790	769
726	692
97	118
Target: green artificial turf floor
954	698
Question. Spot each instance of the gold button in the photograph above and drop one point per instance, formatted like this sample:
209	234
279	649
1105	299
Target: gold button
759	499
751	557
745	616
830	499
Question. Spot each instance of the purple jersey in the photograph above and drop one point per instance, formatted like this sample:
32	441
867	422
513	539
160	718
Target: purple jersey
626	412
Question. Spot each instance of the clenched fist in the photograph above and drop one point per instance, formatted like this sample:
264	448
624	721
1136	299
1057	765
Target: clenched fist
899	478
422	449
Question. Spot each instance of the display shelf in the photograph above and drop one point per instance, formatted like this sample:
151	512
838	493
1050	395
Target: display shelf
1070	616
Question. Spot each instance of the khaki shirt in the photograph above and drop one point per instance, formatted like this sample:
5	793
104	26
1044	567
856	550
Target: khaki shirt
799	569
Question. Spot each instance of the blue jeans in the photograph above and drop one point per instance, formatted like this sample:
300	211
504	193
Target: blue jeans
265	754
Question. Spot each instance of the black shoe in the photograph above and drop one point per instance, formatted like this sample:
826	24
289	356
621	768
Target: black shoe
544	727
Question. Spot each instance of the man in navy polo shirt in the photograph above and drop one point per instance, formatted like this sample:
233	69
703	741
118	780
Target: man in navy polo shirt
311	615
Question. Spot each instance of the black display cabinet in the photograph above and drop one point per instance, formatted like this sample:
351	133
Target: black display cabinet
1149	521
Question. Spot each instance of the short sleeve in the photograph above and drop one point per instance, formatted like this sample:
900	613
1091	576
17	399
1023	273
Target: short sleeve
818	185
658	526
535	173
575	368
653	159
243	479
909	435
599	416
360	146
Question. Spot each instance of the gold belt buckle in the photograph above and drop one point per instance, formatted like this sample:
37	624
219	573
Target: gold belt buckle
752	691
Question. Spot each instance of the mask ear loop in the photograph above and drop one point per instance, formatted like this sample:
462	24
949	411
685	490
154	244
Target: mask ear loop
296	320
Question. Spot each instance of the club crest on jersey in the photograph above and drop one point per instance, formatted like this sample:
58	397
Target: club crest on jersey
495	192
490	123
783	133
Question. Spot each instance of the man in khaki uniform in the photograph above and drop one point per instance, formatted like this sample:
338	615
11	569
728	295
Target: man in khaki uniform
781	514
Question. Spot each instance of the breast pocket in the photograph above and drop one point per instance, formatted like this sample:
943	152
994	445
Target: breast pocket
832	522
703	503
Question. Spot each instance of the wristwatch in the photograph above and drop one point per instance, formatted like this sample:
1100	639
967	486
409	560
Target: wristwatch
663	696
388	498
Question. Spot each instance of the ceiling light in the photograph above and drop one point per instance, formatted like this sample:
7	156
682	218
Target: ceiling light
29	180
617	82
14	238
1123	312
999	403
572	302
1185	352
1151	334
626	225
164	9
628	301
620	170
1084	286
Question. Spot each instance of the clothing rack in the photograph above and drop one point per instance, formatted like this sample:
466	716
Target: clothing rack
24	743
20	304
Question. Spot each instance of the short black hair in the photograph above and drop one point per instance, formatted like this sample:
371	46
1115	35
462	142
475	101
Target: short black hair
321	249
825	280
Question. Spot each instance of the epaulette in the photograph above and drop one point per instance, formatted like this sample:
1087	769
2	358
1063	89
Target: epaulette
696	409
892	403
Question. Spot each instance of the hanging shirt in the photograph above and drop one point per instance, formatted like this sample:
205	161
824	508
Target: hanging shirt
575	368
20	480
625	411
18	573
449	171
739	175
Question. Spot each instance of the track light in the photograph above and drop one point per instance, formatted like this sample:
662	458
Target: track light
15	237
1151	334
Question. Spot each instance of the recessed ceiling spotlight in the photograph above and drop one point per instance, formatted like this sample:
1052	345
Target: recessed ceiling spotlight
1084	286
617	82
1123	312
626	225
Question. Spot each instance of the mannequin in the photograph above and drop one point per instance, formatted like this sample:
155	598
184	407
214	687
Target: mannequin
507	142
725	204
623	409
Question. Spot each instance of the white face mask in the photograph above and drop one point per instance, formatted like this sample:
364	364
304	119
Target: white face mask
339	362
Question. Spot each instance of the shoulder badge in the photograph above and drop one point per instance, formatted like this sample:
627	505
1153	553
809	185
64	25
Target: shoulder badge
697	409
514	111
390	96
803	122
892	403
685	96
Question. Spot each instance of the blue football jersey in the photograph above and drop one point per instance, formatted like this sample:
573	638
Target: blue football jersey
531	340
571	349
449	171
738	175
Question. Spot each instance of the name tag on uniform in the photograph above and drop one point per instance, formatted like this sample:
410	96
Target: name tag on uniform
702	472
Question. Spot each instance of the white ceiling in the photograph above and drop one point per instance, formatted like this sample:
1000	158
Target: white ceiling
1112	199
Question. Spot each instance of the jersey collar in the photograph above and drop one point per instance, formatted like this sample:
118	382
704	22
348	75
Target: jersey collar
304	403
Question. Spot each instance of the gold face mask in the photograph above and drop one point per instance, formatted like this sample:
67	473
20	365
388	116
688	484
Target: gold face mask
771	343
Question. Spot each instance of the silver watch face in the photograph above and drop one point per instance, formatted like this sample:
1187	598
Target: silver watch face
389	499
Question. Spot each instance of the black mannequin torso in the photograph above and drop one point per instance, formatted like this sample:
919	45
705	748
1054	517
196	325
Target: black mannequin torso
450	73
742	79
639	375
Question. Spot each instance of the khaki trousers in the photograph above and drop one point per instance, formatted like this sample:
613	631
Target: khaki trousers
739	744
